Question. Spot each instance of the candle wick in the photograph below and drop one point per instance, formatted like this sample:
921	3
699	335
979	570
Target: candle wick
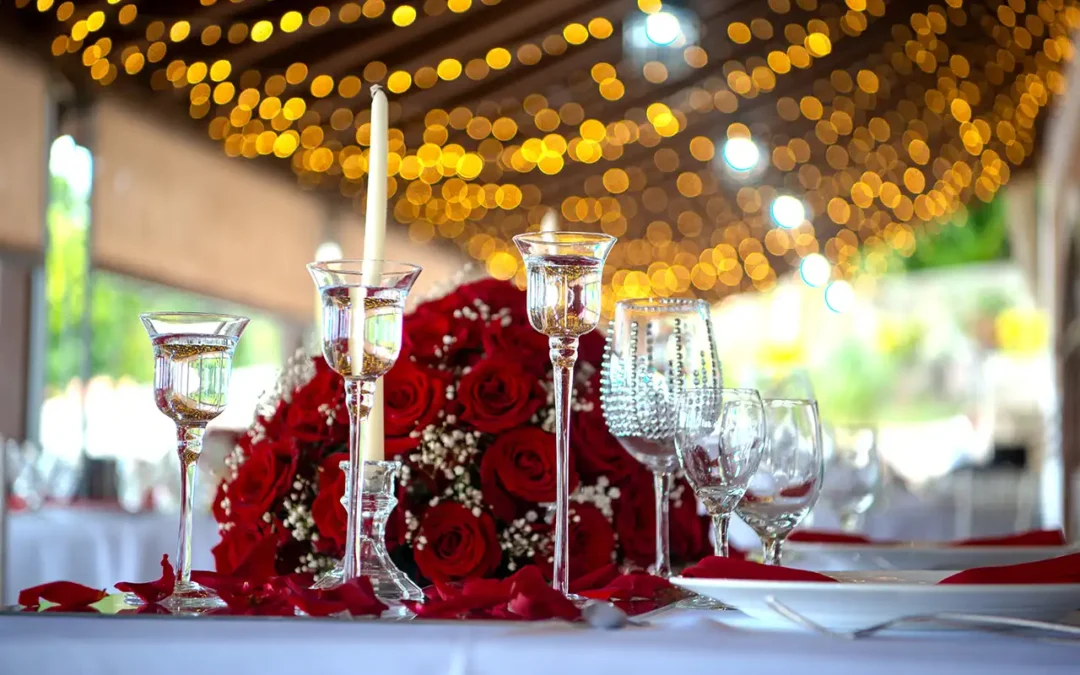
375	89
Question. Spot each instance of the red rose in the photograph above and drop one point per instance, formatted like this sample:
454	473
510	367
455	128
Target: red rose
635	521
303	418
514	335
433	334
454	544
327	510
497	295
248	546
266	474
498	394
591	347
414	398
689	531
520	467
592	540
596	452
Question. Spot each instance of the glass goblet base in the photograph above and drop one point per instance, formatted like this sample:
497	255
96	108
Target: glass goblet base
192	598
703	602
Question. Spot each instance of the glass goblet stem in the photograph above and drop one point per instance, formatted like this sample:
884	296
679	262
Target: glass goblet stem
773	550
189	443
720	523
359	398
563	357
662	492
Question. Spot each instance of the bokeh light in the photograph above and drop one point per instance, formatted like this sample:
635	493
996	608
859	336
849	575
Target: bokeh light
788	212
741	154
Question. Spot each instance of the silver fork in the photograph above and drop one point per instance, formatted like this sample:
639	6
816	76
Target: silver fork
957	620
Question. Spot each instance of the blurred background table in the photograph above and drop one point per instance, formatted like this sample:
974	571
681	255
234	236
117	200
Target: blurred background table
96	546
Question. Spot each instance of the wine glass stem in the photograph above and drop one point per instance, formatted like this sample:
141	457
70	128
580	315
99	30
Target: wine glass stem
720	523
563	357
662	491
773	550
359	398
188	446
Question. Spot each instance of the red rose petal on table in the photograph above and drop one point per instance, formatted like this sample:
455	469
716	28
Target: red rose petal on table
715	567
357	597
532	599
152	591
66	593
637	586
595	580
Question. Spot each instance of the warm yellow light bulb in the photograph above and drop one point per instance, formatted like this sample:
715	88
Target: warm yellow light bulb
404	15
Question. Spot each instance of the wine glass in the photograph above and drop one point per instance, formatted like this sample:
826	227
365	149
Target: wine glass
853	475
363	308
789	476
720	440
657	348
193	355
564	272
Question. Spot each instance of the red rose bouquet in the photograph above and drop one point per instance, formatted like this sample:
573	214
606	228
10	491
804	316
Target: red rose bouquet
469	413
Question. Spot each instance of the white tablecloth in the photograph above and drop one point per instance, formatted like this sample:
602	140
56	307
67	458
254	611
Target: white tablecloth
680	642
96	547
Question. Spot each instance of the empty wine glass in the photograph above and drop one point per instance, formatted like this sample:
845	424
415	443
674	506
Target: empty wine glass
657	348
564	285
789	476
853	475
363	308
193	355
721	437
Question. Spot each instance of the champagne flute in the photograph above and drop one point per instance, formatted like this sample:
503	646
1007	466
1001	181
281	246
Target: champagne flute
657	348
564	285
192	365
363	307
789	476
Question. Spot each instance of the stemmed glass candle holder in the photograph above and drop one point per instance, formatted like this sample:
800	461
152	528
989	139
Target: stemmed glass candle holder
363	307
564	284
656	349
378	497
788	478
192	364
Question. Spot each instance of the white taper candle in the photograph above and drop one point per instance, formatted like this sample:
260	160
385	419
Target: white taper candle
374	249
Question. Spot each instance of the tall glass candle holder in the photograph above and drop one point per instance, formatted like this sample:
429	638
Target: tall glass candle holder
363	306
193	355
564	285
379	498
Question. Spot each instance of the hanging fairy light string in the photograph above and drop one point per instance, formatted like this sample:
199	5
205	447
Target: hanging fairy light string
871	153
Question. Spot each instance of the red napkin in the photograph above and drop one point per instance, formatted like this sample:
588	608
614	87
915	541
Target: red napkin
152	592
69	595
715	567
1033	538
1062	570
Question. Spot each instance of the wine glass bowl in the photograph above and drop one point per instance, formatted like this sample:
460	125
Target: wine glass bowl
854	475
789	476
721	436
565	279
657	348
193	355
363	308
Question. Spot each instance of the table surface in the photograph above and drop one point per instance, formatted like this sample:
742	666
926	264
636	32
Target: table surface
684	642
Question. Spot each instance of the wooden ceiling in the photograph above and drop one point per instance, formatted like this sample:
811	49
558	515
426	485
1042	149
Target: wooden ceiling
895	89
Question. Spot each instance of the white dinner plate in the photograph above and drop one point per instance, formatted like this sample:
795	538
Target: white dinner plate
912	556
865	598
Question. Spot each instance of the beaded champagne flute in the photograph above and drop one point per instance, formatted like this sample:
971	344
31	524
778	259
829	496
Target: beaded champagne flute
363	307
564	284
192	364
